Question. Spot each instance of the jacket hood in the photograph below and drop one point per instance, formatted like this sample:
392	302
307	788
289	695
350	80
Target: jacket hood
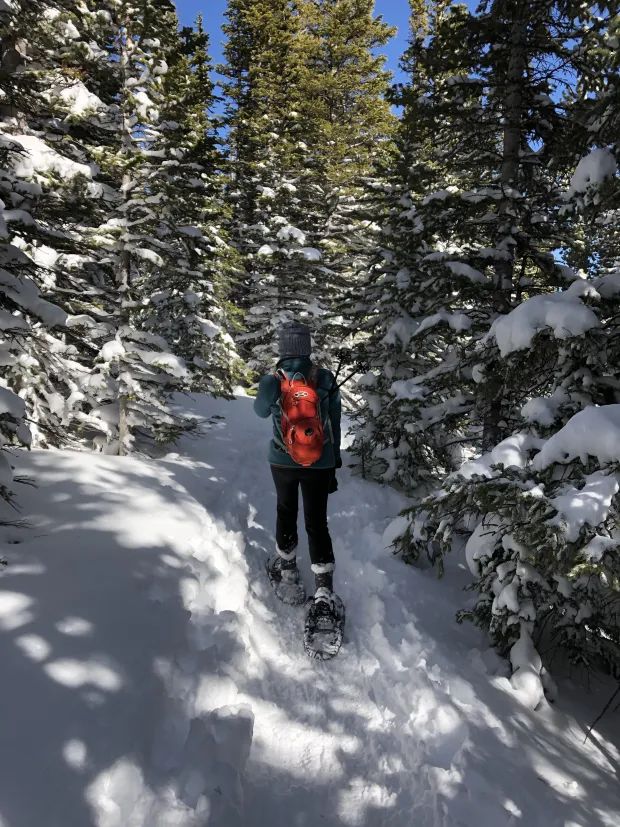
291	364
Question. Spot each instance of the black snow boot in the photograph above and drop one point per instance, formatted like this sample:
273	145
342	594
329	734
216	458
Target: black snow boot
284	577
324	581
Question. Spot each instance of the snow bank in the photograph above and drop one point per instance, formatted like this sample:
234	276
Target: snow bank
130	647
566	315
395	529
153	680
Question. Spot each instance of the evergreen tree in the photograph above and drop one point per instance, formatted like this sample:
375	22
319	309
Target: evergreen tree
465	241
55	66
113	192
83	104
545	359
348	128
594	109
26	317
191	291
422	302
268	160
543	503
306	119
137	372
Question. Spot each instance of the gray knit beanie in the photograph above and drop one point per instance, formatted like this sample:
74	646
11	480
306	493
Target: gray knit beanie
294	340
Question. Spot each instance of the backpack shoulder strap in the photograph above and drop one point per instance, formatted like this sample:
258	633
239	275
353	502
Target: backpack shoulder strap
313	378
282	377
284	383
313	375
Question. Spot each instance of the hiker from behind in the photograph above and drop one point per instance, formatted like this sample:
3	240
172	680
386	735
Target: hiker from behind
304	404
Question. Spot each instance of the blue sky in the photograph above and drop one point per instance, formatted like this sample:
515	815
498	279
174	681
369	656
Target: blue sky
394	12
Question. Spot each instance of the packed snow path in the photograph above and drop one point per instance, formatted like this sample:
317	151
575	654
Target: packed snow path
151	678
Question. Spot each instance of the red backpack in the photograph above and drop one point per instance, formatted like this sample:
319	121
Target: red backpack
302	428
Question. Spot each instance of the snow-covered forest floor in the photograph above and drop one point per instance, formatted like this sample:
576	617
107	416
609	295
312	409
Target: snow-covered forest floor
151	678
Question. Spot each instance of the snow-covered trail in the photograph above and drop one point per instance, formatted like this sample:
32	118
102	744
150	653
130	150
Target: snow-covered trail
153	680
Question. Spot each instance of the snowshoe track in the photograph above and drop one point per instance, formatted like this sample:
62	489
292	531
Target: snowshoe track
227	719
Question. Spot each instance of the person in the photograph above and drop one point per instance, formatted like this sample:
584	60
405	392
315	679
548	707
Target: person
316	481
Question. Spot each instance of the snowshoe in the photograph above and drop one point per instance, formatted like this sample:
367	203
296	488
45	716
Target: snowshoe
285	581
324	625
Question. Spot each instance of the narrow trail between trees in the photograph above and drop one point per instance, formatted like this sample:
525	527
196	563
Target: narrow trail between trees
152	679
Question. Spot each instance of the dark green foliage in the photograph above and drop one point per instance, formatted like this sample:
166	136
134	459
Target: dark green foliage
483	215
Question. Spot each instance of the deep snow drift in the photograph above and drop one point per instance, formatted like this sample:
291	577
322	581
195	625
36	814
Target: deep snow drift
151	679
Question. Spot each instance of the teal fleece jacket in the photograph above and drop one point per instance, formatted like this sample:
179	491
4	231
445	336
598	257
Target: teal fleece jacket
266	404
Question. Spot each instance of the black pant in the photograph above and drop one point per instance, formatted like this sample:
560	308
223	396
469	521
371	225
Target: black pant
314	490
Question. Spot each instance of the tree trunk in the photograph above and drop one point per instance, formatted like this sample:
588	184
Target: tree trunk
123	285
124	261
509	177
512	112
